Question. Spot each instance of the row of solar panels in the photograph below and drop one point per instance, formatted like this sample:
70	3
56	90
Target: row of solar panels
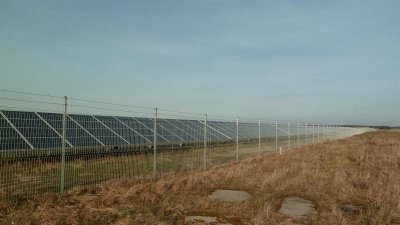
24	130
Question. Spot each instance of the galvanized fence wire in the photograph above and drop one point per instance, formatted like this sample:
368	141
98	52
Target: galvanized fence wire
54	144
28	146
179	143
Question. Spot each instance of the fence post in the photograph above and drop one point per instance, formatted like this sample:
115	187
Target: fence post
288	126
64	133
313	133
276	136
259	136
334	132
318	132
155	144
327	132
337	132
205	144
306	134
237	140
298	134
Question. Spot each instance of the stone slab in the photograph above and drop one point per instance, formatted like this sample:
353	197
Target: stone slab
206	220
230	196
297	207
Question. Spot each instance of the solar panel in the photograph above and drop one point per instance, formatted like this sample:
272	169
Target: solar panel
75	135
267	130
248	130
44	130
100	132
37	132
122	129
169	131
149	124
9	138
227	128
145	132
187	132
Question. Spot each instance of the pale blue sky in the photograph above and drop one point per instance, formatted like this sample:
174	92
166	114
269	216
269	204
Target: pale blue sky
326	61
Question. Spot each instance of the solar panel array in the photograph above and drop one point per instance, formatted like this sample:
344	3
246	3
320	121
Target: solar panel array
36	130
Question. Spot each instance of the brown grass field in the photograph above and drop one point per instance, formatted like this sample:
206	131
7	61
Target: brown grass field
362	170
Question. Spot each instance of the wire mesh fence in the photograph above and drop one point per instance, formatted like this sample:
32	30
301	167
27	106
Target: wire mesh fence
51	144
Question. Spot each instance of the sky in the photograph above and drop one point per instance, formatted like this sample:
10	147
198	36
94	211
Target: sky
333	62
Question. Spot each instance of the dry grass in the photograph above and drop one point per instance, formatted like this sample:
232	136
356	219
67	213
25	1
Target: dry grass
363	170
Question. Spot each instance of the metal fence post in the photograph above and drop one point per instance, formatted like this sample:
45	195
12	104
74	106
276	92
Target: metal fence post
313	133
259	136
205	144
298	134
327	132
306	134
155	144
318	132
337	132
237	139
64	125
334	132
276	136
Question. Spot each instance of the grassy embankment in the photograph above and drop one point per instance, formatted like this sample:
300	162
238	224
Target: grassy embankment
363	170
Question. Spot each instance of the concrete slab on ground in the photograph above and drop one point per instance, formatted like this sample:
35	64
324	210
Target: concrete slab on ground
297	207
230	196
206	220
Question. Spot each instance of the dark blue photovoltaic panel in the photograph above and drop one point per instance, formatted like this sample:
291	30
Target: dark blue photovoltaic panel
34	129
88	130
212	133
215	134
74	134
54	119
98	130
268	130
169	131
227	128
146	132
122	129
9	138
282	130
248	130
189	133
146	122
